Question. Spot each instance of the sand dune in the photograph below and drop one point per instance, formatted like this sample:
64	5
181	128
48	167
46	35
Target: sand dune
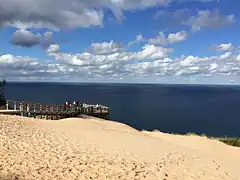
99	149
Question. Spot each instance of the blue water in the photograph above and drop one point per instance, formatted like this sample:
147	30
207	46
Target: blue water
213	110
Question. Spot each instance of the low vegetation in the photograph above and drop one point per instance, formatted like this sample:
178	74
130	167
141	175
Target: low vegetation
232	141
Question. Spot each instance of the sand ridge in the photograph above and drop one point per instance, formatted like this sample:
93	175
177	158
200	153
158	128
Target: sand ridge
99	149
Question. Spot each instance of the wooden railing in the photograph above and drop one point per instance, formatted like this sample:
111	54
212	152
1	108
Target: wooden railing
25	106
53	111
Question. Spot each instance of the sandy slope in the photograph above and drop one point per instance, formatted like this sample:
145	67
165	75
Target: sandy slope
98	149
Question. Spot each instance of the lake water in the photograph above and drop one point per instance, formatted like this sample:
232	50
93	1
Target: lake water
213	110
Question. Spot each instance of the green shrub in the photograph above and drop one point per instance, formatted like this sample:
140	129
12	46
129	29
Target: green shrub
231	141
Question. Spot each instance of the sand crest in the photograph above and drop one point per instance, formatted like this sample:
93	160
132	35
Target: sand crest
99	149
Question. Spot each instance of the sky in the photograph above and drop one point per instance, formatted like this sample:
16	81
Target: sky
129	41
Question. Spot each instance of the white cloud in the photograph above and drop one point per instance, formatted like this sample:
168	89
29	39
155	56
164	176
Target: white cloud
161	39
148	52
106	47
6	59
47	36
53	48
61	14
172	38
109	61
202	19
179	15
138	39
188	61
178	37
81	66
25	38
190	67
39	14
151	52
47	39
226	55
238	57
209	19
224	47
213	66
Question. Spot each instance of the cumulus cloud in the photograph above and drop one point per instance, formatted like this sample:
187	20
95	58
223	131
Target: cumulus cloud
191	66
209	19
53	48
138	39
188	61
47	39
61	14
52	14
151	62
25	38
177	37
148	52
186	66
202	19
224	47
6	59
177	15
151	52
161	39
172	38
27	68
213	67
106	47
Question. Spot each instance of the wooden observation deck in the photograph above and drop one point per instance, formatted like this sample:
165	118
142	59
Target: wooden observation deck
53	111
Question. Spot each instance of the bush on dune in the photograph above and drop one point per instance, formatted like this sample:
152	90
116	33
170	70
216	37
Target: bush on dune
231	141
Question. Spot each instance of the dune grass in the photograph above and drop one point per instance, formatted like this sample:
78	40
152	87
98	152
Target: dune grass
232	141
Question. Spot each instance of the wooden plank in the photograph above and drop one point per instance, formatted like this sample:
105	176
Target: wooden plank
9	111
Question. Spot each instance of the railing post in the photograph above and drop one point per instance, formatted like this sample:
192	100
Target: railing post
28	113
34	110
6	105
52	109
15	106
21	108
40	108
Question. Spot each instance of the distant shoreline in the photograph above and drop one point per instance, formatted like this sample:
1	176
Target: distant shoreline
124	83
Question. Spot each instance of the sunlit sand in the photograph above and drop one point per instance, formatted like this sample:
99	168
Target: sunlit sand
99	149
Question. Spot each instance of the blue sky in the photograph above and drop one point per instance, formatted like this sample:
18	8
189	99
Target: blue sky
156	41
